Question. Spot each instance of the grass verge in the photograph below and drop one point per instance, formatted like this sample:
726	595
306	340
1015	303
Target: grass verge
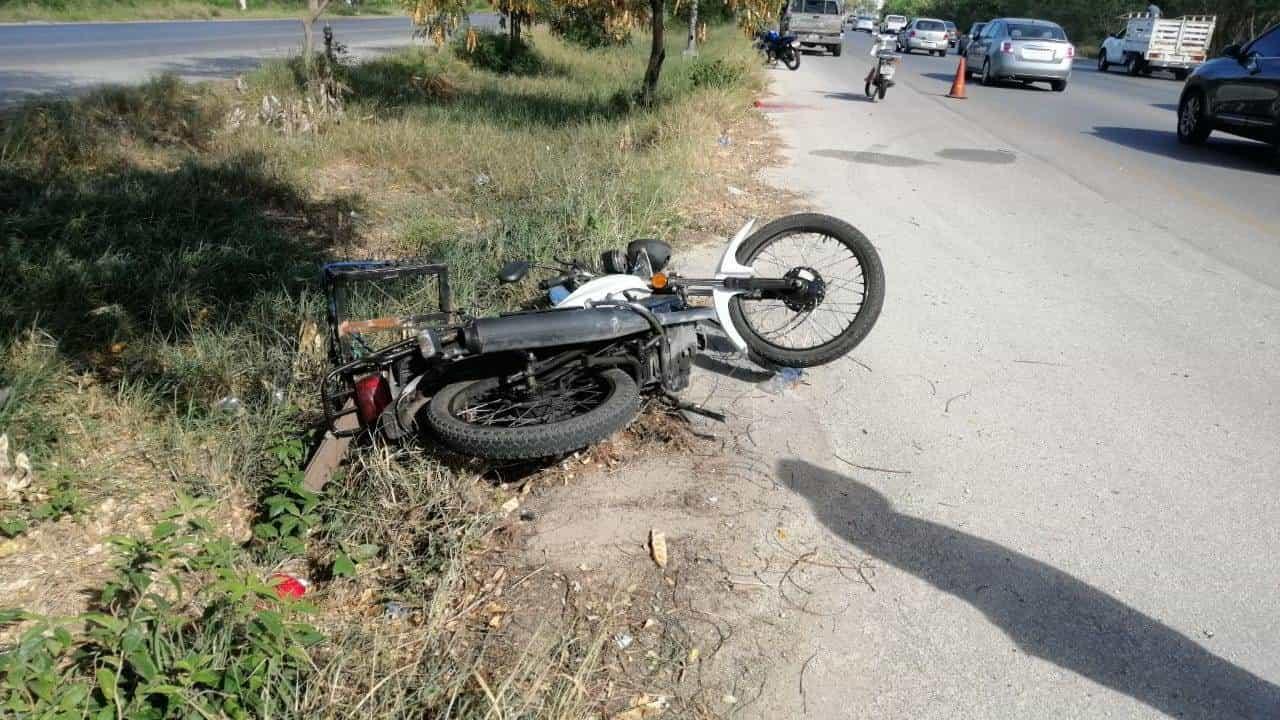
156	352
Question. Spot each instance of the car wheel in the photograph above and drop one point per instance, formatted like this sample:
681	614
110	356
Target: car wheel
1102	60
1058	85
986	78
1193	123
1132	65
837	49
1180	75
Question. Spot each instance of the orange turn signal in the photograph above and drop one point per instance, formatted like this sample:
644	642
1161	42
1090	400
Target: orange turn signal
658	281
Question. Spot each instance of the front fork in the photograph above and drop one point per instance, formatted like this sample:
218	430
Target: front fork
727	268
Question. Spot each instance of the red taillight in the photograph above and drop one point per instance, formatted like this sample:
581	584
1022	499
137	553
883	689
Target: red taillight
1006	47
911	34
373	395
1071	51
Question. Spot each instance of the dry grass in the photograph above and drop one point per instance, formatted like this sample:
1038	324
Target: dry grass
163	244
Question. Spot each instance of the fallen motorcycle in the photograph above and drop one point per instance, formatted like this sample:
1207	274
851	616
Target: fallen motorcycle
775	47
798	292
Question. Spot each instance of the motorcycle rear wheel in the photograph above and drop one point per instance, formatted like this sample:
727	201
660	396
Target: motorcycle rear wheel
845	272
484	419
791	58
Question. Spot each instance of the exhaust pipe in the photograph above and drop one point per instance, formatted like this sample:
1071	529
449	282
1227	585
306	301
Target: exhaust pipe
555	328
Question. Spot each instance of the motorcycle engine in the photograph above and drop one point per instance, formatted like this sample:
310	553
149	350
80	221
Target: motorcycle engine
678	353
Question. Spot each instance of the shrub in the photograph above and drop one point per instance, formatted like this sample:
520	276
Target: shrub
715	73
586	26
497	53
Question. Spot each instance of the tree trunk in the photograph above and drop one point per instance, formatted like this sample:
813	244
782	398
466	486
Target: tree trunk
692	48
315	8
657	52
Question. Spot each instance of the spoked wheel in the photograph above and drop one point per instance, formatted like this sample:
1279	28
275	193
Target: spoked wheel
791	58
842	295
488	419
866	88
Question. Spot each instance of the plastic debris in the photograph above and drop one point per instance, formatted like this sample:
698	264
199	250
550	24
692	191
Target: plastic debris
643	706
783	380
658	548
229	404
623	640
735	191
16	477
724	140
396	611
290	586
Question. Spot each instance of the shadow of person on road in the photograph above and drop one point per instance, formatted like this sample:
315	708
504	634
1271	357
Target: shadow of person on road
1046	612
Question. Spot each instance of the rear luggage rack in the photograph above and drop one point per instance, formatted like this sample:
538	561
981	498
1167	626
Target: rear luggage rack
351	356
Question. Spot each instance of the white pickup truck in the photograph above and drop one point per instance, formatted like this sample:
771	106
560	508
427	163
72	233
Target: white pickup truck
1154	43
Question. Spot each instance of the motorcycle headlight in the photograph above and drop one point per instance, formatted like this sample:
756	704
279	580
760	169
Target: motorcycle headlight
795	44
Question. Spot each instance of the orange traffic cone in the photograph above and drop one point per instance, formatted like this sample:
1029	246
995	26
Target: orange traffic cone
957	85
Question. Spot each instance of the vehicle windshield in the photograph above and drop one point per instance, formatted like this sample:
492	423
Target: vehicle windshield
1021	31
930	25
821	7
950	25
894	18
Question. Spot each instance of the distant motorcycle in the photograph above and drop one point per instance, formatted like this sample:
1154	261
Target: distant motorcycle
880	79
777	47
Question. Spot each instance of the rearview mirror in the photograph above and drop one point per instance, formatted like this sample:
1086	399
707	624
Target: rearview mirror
1231	51
513	271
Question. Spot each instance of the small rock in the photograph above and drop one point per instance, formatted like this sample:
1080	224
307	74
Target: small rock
528	516
10	547
729	700
735	191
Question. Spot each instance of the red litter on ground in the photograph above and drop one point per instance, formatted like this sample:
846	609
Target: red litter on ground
779	106
290	587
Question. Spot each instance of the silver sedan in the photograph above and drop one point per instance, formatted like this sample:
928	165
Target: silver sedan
924	34
1023	50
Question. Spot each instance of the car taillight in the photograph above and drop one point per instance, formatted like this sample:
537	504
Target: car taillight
1071	51
373	395
911	34
1006	47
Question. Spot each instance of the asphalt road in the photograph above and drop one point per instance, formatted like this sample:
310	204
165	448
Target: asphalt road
1071	391
40	59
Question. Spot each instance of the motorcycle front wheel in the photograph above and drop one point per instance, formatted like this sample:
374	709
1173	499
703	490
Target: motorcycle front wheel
487	419
843	296
884	90
866	88
791	58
